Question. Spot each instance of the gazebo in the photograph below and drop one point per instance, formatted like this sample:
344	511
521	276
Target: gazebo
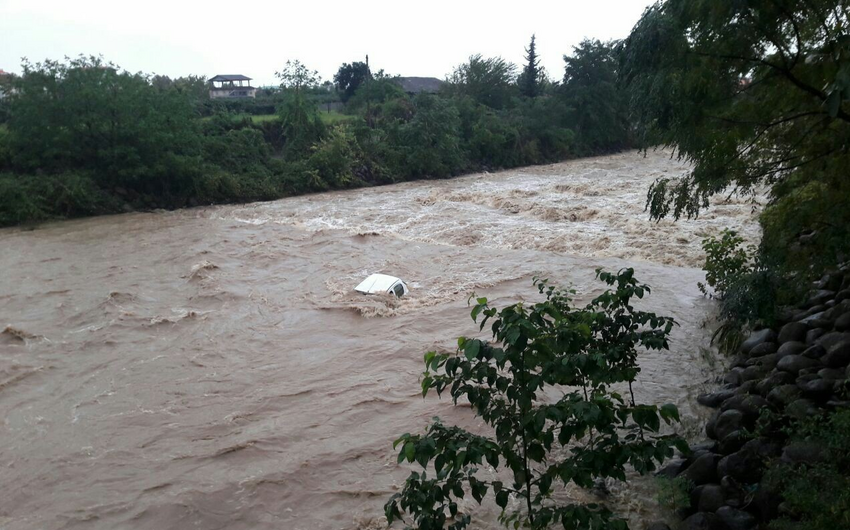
231	86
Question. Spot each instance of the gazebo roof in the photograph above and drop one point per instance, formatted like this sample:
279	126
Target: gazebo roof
230	77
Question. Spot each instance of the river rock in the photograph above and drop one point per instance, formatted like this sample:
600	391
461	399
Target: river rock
813	335
709	425
763	349
818	320
729	421
703	521
815	388
672	469
795	363
837	356
774	379
736	519
793	332
828	340
815	351
763	448
703	470
842	295
802	409
819	297
714	399
743	466
782	395
831	374
752	373
768	361
732	442
758	337
750	405
803	452
708	497
733	376
791	348
658	525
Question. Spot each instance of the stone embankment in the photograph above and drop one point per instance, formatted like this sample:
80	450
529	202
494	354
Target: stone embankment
796	371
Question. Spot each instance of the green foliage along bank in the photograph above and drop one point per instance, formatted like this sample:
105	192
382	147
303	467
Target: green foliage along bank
83	137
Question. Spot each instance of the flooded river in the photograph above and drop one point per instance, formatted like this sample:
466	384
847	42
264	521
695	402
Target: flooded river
212	368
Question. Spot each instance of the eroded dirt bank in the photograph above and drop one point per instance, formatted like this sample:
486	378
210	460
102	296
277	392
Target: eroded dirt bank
211	368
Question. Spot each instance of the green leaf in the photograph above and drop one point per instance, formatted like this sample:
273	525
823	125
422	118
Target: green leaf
502	499
471	349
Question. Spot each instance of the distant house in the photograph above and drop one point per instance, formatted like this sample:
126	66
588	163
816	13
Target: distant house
418	85
231	86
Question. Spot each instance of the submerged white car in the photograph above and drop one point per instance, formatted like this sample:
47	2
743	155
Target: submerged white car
382	283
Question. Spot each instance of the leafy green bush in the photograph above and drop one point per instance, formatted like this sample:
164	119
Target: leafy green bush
334	158
26	198
744	286
591	432
674	493
816	497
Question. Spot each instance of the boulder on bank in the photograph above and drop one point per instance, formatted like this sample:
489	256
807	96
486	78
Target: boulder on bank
672	469
776	378
758	337
703	470
828	340
764	348
816	388
791	348
783	395
736	519
802	452
703	521
802	409
819	297
793	332
708	497
714	399
729	421
795	363
813	335
838	355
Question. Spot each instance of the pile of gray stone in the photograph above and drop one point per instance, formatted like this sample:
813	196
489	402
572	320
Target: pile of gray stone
797	370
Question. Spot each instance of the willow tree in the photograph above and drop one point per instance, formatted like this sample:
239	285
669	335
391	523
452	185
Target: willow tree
751	93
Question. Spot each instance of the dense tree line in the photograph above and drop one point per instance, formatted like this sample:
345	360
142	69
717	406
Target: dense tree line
83	137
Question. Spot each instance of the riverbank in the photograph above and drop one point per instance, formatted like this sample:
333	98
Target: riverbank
777	440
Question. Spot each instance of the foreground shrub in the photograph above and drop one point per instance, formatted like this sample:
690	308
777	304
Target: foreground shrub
816	497
744	286
592	432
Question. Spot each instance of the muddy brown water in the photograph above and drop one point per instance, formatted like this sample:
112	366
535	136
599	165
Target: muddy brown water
212	367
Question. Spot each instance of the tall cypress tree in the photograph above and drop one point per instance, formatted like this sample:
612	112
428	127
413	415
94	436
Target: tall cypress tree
529	79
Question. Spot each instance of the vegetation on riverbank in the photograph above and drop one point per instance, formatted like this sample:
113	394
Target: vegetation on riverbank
82	137
753	95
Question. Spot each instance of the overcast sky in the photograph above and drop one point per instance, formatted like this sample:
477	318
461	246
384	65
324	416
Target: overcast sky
255	38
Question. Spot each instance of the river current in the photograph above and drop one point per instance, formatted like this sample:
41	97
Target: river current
213	368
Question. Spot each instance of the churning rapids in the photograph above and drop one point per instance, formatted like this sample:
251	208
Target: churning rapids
213	368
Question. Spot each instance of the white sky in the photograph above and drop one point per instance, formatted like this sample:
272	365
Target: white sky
255	38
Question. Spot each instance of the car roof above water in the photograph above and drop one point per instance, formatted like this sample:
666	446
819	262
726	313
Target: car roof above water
377	283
